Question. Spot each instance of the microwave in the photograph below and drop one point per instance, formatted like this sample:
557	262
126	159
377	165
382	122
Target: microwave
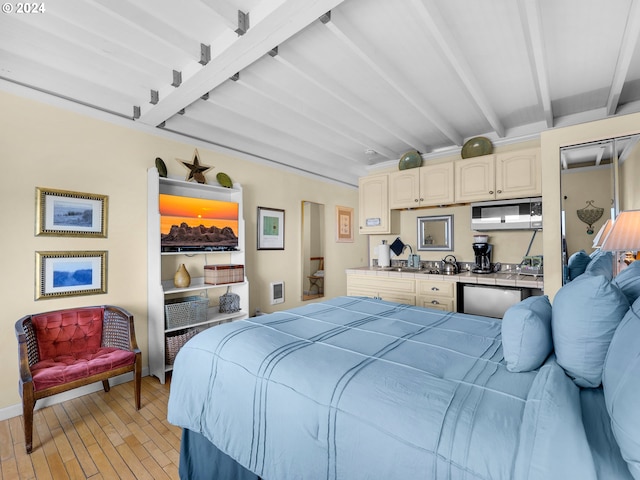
520	214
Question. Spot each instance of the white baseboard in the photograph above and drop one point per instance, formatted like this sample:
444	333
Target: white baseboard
16	410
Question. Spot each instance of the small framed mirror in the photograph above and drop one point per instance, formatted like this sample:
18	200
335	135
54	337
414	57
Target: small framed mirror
435	232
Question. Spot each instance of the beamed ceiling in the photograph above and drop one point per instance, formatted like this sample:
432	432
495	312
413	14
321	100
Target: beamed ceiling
332	87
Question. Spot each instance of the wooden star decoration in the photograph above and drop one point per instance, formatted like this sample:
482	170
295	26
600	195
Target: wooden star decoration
196	171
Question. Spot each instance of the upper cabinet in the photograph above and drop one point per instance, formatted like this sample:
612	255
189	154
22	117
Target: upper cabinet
422	187
506	175
518	174
374	213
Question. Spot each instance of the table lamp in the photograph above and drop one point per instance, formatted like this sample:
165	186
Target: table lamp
624	235
602	234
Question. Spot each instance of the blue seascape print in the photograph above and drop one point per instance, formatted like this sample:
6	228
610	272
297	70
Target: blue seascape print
72	274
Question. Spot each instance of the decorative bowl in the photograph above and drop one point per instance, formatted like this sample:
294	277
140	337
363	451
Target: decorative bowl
476	147
224	180
411	159
162	167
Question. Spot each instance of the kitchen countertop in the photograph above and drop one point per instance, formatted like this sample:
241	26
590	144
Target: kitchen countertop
504	278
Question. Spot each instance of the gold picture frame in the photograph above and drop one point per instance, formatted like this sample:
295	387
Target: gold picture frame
67	273
344	224
63	213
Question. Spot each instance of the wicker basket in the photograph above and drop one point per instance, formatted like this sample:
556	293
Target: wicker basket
182	312
175	341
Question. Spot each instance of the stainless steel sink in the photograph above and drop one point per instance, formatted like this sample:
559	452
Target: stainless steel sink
403	269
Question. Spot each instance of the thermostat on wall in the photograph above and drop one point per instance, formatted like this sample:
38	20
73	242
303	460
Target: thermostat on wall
277	292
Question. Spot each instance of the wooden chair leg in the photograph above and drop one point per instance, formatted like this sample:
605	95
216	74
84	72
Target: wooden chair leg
28	404
105	385
137	380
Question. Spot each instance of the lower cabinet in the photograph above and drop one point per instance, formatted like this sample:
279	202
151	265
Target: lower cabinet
400	290
438	294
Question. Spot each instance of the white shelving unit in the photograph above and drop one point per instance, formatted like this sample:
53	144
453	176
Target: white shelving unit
161	267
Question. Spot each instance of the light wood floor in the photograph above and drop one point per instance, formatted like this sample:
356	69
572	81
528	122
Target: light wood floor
96	436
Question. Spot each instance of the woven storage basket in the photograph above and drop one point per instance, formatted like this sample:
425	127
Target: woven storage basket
182	312
174	342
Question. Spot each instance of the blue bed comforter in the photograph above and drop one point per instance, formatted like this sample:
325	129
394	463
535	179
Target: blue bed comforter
356	388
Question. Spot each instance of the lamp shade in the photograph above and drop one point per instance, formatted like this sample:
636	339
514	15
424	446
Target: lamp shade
625	233
602	234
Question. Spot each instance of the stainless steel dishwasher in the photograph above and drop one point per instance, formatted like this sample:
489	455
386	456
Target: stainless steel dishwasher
489	300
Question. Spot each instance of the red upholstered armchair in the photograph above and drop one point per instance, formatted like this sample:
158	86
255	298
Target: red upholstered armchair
71	348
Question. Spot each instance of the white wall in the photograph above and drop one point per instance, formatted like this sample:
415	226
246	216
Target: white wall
47	146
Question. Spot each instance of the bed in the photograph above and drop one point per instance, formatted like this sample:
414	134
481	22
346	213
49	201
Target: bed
359	388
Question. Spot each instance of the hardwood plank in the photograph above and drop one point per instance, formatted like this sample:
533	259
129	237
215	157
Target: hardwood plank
158	455
23	460
81	454
133	463
97	436
8	468
74	470
102	462
154	469
157	438
136	447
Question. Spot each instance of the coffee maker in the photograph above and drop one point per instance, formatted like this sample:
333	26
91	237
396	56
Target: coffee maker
483	258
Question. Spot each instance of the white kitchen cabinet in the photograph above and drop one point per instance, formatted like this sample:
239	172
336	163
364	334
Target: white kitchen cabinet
507	175
439	294
518	174
415	290
475	179
399	290
426	186
375	217
161	266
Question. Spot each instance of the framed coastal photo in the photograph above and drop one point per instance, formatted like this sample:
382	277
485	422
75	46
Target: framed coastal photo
344	224
67	274
72	214
270	229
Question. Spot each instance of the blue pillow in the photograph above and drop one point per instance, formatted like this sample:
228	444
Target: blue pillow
621	382
585	314
628	280
577	264
526	334
601	264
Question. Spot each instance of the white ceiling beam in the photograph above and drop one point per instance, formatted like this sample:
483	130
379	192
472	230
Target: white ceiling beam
599	155
630	38
530	16
337	90
254	139
139	17
437	26
269	28
311	114
353	39
226	10
628	149
277	131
